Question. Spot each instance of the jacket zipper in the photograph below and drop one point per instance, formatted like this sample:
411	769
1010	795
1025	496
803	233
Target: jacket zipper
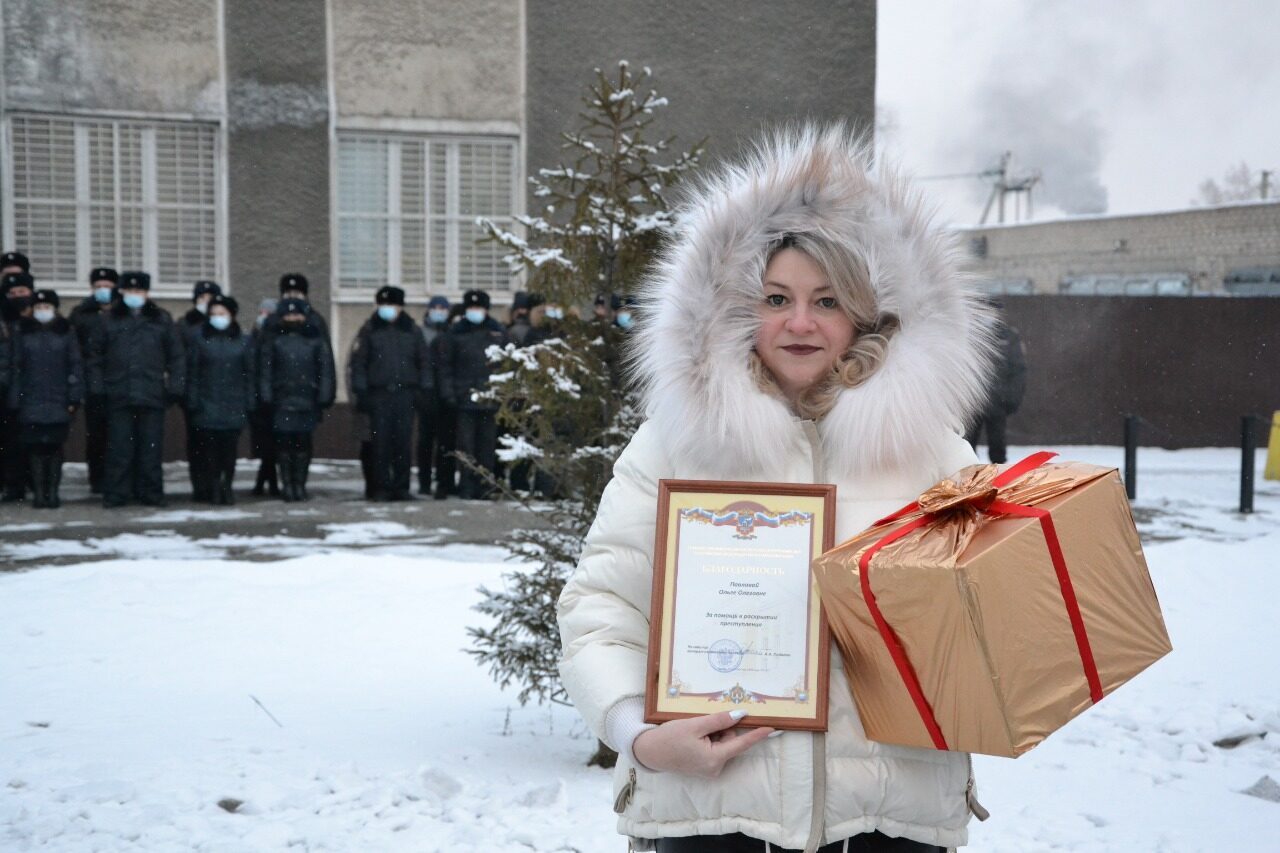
817	819
970	798
628	790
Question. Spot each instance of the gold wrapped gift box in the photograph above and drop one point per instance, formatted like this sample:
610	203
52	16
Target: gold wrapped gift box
1001	606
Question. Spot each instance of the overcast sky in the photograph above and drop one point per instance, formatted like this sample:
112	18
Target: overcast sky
1123	106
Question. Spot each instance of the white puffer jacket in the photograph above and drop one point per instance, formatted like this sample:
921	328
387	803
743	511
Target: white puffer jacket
882	444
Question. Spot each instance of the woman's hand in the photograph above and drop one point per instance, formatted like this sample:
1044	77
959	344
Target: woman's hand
698	746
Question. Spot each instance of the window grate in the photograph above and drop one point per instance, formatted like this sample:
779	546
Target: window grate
90	192
407	207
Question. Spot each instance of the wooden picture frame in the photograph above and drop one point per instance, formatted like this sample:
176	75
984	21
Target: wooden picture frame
745	551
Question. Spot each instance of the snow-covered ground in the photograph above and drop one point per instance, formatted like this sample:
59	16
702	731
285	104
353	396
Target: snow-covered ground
171	700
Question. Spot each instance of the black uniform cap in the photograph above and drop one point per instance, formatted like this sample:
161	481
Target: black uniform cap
103	274
228	302
50	296
135	280
389	295
17	279
15	259
293	281
475	299
202	287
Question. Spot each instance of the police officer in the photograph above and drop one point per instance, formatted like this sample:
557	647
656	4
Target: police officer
390	371
85	317
296	379
16	290
261	444
47	388
220	394
465	370
192	326
136	363
294	285
435	421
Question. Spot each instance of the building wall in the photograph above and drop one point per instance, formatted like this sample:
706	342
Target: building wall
1203	243
156	56
727	68
436	60
278	147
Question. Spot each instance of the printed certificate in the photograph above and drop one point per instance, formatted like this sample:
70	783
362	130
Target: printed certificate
736	621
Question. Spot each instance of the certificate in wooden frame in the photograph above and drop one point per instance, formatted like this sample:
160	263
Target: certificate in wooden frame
736	621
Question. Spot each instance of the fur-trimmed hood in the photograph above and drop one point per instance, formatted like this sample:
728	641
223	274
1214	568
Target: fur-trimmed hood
700	304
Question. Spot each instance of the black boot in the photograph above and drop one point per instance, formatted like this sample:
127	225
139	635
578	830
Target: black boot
303	463
284	466
227	482
53	480
260	482
39	464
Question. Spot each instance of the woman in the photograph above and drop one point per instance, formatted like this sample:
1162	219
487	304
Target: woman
296	380
220	395
46	389
805	325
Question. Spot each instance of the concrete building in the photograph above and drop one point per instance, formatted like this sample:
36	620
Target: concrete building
1229	250
355	141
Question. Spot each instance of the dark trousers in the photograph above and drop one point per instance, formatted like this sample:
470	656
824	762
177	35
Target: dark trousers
477	438
293	459
391	437
993	423
445	425
429	430
866	842
198	464
13	459
263	446
95	441
217	452
44	458
135	456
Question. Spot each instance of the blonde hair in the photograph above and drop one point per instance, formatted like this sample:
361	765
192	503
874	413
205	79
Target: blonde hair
851	280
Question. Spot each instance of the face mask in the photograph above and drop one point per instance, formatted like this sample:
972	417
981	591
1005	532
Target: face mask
388	312
202	307
476	315
134	300
438	315
555	313
20	303
103	294
44	315
625	320
221	322
261	321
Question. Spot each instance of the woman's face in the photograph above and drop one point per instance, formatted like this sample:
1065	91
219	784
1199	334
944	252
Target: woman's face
802	327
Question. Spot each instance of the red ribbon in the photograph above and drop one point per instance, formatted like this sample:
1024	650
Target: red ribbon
890	638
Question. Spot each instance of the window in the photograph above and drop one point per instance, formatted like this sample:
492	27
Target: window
1254	281
102	192
407	207
1006	286
1140	284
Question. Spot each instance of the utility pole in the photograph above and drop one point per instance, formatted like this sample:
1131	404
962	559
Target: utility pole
1266	183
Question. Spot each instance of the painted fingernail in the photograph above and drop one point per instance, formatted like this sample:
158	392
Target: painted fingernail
738	714
774	734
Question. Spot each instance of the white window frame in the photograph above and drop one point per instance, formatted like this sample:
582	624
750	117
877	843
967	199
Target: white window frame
150	205
348	291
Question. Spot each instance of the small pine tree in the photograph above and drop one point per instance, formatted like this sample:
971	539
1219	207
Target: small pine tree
566	412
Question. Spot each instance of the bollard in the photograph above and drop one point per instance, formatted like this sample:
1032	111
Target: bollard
1131	456
1248	446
